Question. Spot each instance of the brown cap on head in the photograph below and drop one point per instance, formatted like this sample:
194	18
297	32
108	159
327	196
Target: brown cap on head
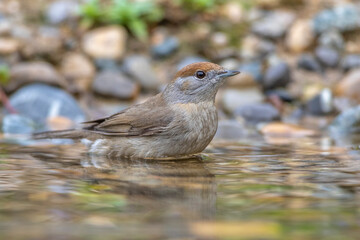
191	69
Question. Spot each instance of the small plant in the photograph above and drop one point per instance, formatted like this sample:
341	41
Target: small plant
197	5
135	15
4	75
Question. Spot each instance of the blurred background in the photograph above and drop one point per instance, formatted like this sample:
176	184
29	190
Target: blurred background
65	61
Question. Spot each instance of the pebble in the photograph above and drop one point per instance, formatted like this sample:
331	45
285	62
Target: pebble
282	94
165	48
250	75
30	72
140	68
274	24
327	56
115	84
321	104
349	86
8	45
61	11
309	62
78	70
106	64
230	130
105	42
189	60
276	76
253	47
346	122
332	39
39	102
278	129
234	98
232	11
343	17
300	36
17	124
350	61
258	112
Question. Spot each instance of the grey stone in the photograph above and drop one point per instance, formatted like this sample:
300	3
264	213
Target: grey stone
17	124
60	11
332	39
327	56
40	102
234	98
258	112
274	24
230	130
309	62
115	84
347	122
106	64
343	17
166	47
321	104
253	68
350	61
276	76
140	68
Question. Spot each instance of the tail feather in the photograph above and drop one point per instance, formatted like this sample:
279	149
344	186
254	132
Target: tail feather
71	133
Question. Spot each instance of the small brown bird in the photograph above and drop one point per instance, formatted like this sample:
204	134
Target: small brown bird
180	121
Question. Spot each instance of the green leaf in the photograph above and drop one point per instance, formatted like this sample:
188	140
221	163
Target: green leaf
139	29
4	74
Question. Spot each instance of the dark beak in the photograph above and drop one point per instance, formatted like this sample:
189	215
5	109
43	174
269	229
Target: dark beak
228	73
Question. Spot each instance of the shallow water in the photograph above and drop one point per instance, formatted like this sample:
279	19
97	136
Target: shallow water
250	189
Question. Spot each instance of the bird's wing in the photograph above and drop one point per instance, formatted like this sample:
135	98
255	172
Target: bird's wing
147	119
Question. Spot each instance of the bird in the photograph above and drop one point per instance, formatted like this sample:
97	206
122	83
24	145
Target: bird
179	121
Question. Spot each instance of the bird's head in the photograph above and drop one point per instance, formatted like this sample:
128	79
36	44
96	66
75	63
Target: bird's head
197	82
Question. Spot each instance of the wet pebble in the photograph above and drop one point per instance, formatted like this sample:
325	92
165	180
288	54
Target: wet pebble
343	17
61	11
327	56
309	62
105	42
115	84
321	104
274	24
30	72
350	61
234	98
230	130
140	68
347	122
166	47
277	75
40	102
300	36
258	112
17	124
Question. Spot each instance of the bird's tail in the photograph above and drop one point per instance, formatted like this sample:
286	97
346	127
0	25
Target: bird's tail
72	133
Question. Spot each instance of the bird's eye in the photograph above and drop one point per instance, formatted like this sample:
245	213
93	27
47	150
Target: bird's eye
200	74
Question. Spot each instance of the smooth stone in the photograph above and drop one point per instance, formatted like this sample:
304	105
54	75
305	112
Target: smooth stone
250	75
140	68
5	26
321	104
278	129
274	24
165	48
253	47
234	98
8	45
350	61
300	36
40	102
343	17
233	11
106	64
276	76
78	70
327	56
349	86
282	94
105	42
189	60
346	122
258	112
332	39
17	124
61	11
115	84
309	62
30	72
59	123
230	130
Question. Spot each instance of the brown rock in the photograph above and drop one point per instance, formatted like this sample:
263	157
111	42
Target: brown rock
8	46
59	123
29	72
278	129
105	42
349	86
300	36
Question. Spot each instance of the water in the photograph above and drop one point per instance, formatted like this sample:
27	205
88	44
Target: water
251	189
